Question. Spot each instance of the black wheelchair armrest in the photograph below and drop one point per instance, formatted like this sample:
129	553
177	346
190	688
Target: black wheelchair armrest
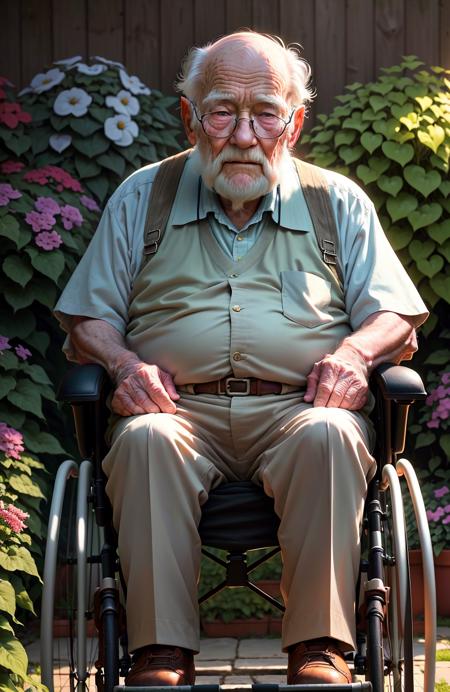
395	387
86	388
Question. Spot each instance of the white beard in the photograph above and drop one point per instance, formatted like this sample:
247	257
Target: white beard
216	178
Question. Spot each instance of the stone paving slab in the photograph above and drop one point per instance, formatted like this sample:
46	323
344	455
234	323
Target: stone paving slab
259	665
217	649
260	648
214	667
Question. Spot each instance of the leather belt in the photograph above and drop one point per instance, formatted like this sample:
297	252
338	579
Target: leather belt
238	386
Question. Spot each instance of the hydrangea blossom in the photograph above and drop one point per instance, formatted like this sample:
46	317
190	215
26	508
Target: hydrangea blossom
440	492
44	174
13	517
440	400
22	352
4	343
48	241
89	203
11	167
40	221
48	205
7	192
73	101
11	441
70	217
133	84
123	102
11	114
46	80
121	130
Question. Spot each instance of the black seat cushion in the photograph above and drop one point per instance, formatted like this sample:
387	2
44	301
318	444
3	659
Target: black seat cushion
239	516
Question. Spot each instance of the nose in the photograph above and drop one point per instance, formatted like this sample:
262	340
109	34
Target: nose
243	136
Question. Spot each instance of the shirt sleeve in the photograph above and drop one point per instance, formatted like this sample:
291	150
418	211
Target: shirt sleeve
102	282
374	278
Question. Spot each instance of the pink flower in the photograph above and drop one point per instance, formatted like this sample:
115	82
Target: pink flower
36	176
433	424
445	379
40	221
440	492
48	241
89	203
7	193
11	441
13	517
446	520
4	343
48	205
70	217
58	175
447	508
11	114
11	166
22	352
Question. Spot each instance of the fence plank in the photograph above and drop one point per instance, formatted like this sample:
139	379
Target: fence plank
444	23
389	32
69	29
238	15
330	54
177	31
10	55
142	50
266	16
106	29
36	37
422	30
360	41
209	25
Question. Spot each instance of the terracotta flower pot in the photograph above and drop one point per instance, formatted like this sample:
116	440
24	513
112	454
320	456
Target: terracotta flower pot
442	575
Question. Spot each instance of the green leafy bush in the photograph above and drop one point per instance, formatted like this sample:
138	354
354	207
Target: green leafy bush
95	121
392	137
21	532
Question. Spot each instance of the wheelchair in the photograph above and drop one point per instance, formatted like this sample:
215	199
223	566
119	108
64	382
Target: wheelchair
238	518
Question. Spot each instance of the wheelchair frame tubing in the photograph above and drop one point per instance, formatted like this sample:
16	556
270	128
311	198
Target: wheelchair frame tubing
109	613
375	598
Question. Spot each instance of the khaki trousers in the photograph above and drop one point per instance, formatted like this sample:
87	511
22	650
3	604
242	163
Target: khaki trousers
314	462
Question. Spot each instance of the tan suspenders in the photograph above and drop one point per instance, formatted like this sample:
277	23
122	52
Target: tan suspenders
314	186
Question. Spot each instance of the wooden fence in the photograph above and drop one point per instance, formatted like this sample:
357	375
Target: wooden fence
344	40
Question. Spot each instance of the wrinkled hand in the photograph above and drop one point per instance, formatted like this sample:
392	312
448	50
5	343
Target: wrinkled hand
339	381
143	388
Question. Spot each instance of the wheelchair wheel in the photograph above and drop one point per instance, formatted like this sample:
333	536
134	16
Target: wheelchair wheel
398	633
71	576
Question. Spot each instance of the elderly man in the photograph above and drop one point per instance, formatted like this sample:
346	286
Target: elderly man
237	352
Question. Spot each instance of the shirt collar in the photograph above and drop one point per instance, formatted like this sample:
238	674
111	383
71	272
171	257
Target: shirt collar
294	211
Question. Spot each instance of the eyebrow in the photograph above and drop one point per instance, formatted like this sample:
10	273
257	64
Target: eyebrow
216	95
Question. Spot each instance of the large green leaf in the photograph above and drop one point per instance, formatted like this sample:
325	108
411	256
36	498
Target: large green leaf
50	264
432	266
351	154
390	184
7	596
425	215
36	373
19	144
38	441
98	186
432	137
371	141
23	484
6	385
401	206
18	559
86	168
27	398
13	418
5	624
23	324
18	269
113	162
9	228
40	341
23	600
85	126
402	153
421	180
17	297
13	656
92	146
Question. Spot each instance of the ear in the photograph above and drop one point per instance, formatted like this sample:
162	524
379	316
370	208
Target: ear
294	134
186	117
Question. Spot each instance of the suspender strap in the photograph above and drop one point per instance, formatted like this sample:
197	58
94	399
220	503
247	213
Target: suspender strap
162	196
317	195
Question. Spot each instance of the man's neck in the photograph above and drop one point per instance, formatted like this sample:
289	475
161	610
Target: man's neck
241	216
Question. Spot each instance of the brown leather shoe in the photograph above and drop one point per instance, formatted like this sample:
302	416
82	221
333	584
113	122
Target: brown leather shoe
161	665
315	661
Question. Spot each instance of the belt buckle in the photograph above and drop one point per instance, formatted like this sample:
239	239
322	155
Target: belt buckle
229	380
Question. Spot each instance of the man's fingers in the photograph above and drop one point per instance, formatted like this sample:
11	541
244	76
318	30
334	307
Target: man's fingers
156	391
336	384
124	405
169	386
311	383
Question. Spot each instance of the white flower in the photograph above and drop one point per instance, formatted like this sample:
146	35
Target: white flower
121	129
133	83
123	102
68	62
108	62
46	80
60	142
72	102
92	70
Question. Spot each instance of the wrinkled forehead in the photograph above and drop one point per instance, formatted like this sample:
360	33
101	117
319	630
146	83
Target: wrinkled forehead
246	71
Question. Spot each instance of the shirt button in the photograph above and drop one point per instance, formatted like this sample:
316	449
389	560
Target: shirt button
236	308
239	237
232	276
237	355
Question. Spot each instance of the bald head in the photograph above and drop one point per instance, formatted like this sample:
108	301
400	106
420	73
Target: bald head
248	52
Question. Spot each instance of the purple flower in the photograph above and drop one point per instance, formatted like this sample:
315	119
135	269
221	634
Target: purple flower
447	508
70	217
89	203
433	424
4	343
48	241
48	205
446	520
22	352
8	193
11	441
440	492
445	379
40	221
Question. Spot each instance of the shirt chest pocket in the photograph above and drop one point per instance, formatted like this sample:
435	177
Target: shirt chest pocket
305	298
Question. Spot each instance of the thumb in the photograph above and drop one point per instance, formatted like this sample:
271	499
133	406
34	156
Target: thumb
311	383
169	386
